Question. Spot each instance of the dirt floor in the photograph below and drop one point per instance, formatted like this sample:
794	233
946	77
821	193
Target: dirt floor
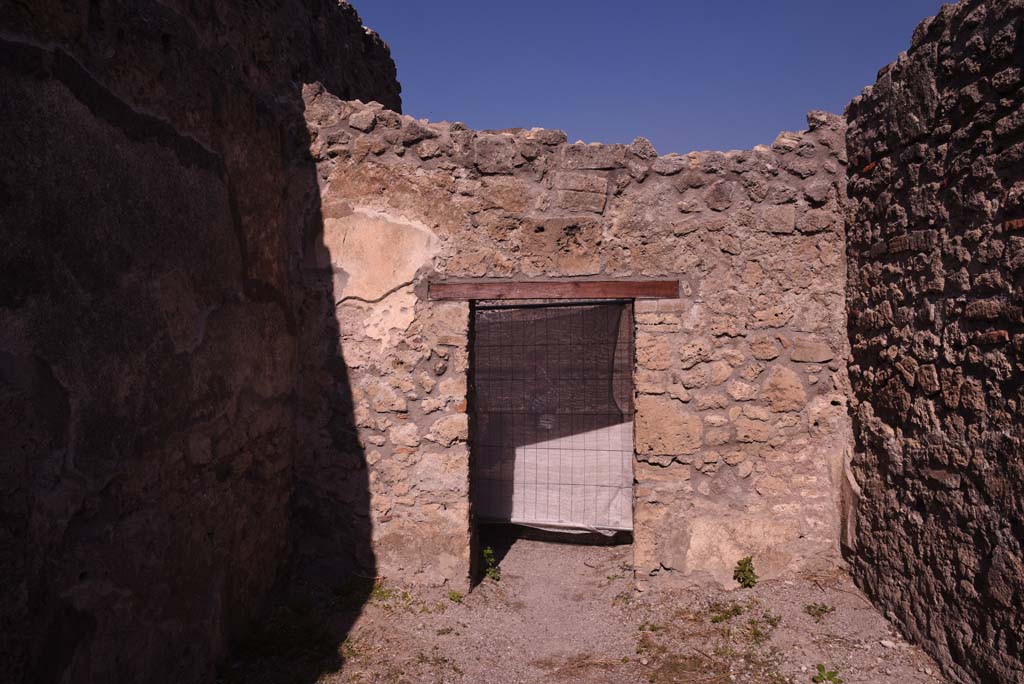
567	613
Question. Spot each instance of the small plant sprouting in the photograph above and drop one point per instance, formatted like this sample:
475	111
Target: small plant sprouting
721	612
826	675
744	573
455	596
381	593
491	569
818	611
623	598
349	649
758	634
760	629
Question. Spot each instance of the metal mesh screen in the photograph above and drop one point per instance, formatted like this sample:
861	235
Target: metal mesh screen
553	415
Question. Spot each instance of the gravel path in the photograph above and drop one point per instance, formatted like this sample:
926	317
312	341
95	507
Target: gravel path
567	613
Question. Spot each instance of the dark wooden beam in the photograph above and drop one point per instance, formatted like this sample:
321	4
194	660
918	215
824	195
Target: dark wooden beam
578	289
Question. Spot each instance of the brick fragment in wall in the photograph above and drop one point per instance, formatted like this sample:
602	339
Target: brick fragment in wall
987	309
916	241
991	337
934	290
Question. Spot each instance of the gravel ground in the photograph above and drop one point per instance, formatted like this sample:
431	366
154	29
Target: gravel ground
567	613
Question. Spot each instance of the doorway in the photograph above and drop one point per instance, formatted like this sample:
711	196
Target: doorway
552	415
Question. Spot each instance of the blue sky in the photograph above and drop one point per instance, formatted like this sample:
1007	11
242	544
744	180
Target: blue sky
688	75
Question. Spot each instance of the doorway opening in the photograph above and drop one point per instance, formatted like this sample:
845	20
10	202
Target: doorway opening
551	437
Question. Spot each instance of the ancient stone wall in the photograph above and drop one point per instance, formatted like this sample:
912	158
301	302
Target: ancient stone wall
936	256
156	192
741	419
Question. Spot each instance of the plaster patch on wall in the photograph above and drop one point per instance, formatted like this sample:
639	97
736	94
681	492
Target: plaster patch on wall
387	319
373	254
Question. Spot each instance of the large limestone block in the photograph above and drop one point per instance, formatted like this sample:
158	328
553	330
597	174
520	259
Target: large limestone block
784	390
431	549
496	153
663	426
450	429
748	430
778	219
718	539
811	351
653	352
373	254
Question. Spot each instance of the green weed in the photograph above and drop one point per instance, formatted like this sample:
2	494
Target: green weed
827	676
491	569
744	573
818	611
721	612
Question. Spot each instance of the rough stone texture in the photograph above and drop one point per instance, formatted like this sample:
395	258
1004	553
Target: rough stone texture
936	253
155	193
741	427
213	313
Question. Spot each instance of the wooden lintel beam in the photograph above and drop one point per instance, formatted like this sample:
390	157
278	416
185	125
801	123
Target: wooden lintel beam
578	289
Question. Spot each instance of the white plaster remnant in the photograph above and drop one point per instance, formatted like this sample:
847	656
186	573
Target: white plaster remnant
374	258
373	254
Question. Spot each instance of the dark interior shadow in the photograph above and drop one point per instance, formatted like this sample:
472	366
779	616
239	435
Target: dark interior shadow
541	373
331	571
177	430
500	538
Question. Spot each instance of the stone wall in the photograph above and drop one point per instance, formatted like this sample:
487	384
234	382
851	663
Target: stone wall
741	423
936	254
155	193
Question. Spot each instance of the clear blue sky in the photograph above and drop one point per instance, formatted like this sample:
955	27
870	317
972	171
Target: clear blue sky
688	75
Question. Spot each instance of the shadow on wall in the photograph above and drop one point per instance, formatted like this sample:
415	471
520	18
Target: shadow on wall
175	415
331	572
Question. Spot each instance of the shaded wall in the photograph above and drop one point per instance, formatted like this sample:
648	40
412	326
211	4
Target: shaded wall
155	197
741	424
936	251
